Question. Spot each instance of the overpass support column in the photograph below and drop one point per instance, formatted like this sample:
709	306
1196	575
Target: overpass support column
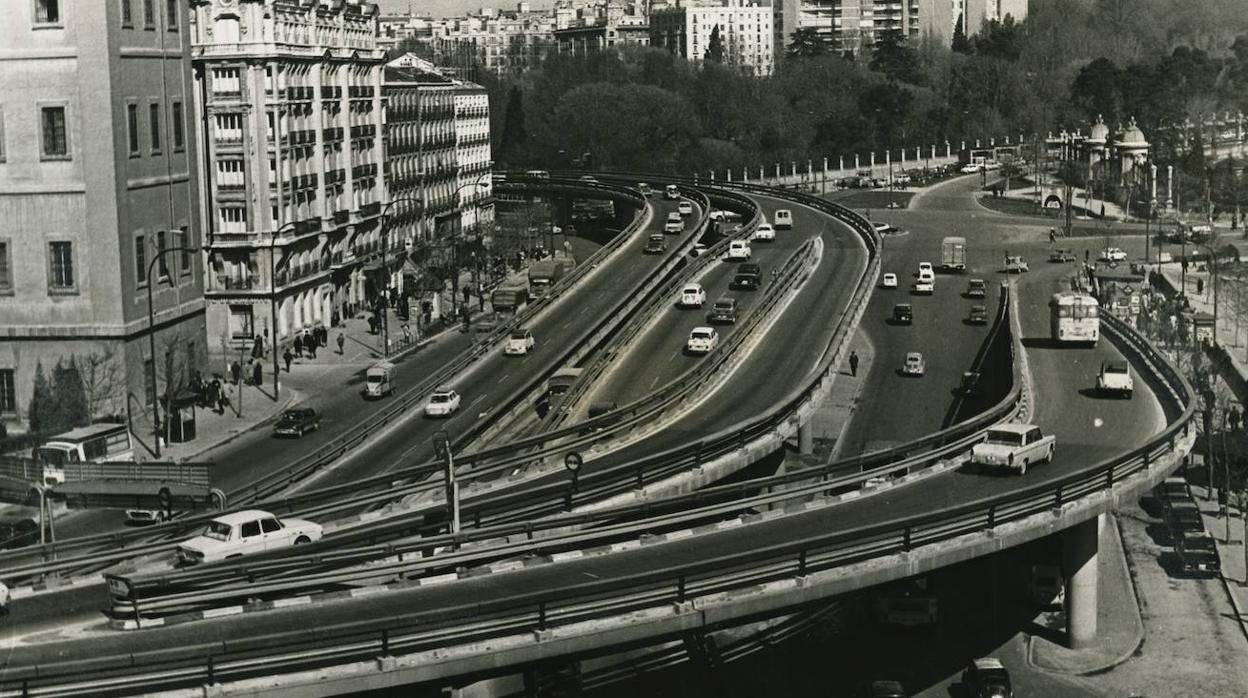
1079	560
805	438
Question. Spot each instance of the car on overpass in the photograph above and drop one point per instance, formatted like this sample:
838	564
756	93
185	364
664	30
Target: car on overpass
903	314
887	689
748	277
644	189
519	343
987	678
246	533
924	287
443	403
883	228
685	208
784	218
671	192
914	364
692	296
738	250
764	233
970	168
724	312
655	244
926	271
978	315
702	340
297	421
1115	379
1014	446
674	223
889	280
588	179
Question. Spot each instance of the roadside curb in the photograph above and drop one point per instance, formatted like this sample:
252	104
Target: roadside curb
868	347
1239	611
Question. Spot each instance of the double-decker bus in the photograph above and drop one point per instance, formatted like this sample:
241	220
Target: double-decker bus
1074	317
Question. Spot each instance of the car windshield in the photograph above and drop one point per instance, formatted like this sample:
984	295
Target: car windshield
217	530
1116	368
441	397
723	305
1009	438
692	289
292	415
701	335
519	335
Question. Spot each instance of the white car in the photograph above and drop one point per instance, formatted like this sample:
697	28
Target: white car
674	223
698	250
889	280
702	340
722	215
692	296
1014	446
883	228
684	208
519	343
671	191
784	218
588	178
764	231
442	403
926	269
914	365
925	286
1113	254
1115	378
970	168
738	250
1015	265
644	189
246	533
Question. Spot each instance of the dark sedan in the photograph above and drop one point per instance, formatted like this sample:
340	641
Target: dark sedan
297	422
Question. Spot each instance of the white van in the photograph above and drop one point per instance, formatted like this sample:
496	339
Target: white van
97	443
784	218
379	379
671	192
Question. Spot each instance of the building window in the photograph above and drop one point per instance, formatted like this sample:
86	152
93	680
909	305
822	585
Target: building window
225	81
162	260
1	133
154	115
61	267
132	123
8	394
184	239
47	12
127	14
230	174
178	135
55	140
149	14
232	219
140	260
6	269
240	321
172	20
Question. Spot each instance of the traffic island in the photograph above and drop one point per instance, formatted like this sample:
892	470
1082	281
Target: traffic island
1120	627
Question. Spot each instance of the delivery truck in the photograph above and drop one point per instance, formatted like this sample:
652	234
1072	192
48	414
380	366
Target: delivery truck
546	273
510	297
953	254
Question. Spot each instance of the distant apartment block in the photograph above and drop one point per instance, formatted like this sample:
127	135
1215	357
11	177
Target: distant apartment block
290	95
97	179
855	25
745	30
979	11
438	154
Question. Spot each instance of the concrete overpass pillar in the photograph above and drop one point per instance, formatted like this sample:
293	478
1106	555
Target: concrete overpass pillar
1079	561
805	438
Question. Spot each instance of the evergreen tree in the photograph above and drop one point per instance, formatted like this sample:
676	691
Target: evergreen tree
894	58
807	42
70	395
41	402
715	47
514	132
961	44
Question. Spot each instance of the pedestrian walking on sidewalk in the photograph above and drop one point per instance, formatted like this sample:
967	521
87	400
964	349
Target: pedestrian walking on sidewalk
236	372
1200	286
257	373
407	333
341	341
257	349
309	342
287	357
298	346
853	363
215	395
480	298
467	295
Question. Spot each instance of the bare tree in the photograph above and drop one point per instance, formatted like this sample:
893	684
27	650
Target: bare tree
104	380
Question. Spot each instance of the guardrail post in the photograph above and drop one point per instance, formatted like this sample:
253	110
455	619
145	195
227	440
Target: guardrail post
905	541
1109	474
640	477
801	563
212	672
992	516
541	616
385	642
1057	497
680	589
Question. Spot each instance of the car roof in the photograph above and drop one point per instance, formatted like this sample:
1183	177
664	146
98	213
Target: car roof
1116	363
989	663
443	390
703	328
1014	427
977	281
693	287
907	306
889	273
238	517
913	355
726	299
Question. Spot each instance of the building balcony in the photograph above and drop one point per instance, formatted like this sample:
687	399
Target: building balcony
235	282
365	131
363	171
342	217
233	239
439	142
483	139
301	137
332	134
335	176
331	92
298	94
368	210
360	92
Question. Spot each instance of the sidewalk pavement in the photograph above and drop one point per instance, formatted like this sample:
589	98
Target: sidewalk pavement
1229	330
832	417
1120	627
310	377
1229	533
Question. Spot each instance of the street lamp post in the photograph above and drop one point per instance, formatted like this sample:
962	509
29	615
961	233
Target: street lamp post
480	182
385	225
151	337
277	234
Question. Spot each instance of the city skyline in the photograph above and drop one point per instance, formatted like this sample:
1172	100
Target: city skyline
449	8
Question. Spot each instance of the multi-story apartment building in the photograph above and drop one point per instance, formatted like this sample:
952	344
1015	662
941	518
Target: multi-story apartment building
97	182
437	154
855	25
290	105
745	30
604	27
976	12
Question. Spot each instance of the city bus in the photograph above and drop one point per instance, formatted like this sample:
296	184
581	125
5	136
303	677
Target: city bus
96	443
1074	317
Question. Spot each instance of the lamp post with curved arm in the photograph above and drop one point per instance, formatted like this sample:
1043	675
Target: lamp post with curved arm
385	224
480	182
277	234
151	335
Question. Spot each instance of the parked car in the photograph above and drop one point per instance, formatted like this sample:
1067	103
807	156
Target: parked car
443	403
978	315
655	244
685	208
692	296
738	250
1115	379
702	340
246	533
1015	265
724	312
914	364
1184	519
1199	554
297	421
889	280
987	678
1113	254
784	218
1014	446
976	288
1062	255
903	313
969	168
764	233
590	179
519	343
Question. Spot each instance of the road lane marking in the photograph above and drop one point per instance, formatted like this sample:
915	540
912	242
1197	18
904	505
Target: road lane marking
479	398
504	378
